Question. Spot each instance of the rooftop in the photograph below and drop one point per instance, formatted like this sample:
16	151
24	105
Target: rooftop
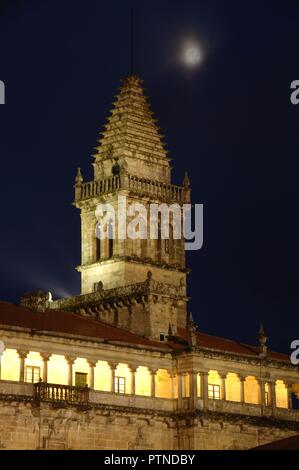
70	323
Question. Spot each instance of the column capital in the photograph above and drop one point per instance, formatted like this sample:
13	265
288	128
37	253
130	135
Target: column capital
113	365
45	356
70	359
152	371
92	362
242	377
223	375
132	368
22	354
203	372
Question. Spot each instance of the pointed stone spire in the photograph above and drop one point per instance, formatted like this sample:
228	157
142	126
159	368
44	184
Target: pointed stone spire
132	133
262	341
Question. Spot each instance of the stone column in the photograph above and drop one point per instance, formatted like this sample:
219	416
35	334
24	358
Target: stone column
223	386
180	390
92	364
204	389
193	389
272	394
70	360
112	366
133	370
242	387
45	358
22	356
172	375
261	383
153	382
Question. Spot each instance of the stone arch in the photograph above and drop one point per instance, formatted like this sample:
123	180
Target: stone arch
252	390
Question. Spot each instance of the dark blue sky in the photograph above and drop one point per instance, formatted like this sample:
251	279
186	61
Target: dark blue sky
229	122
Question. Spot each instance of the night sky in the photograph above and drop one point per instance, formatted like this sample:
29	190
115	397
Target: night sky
229	122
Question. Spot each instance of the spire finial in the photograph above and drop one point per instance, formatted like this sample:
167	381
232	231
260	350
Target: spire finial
191	328
186	181
262	341
79	177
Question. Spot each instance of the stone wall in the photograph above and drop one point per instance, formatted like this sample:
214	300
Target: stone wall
25	425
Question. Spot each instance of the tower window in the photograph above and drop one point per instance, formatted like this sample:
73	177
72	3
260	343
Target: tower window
119	384
166	246
32	374
214	392
110	240
162	337
80	379
98	249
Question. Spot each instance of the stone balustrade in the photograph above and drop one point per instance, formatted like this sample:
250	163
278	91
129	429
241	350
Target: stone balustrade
61	393
136	184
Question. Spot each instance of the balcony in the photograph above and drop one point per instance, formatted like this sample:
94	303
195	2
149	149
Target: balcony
142	186
61	393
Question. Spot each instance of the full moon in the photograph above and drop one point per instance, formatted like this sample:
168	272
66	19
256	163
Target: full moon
192	54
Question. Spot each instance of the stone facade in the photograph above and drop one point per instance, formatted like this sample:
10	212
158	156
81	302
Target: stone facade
122	365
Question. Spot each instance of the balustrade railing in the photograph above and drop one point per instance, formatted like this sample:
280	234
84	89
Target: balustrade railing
132	183
61	393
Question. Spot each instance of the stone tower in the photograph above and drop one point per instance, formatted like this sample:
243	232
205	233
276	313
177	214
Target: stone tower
131	162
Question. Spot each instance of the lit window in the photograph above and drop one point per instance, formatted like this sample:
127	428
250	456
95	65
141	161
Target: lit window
166	246
80	379
119	385
32	374
214	392
267	398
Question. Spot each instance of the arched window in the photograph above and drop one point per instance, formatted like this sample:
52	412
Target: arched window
214	385
252	390
281	393
233	387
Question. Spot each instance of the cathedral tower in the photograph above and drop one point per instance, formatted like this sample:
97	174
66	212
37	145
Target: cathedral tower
131	162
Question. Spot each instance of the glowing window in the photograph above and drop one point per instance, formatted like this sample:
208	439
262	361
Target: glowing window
32	374
119	384
214	392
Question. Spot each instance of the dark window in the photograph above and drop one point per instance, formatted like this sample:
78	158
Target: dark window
98	249
110	241
162	337
80	379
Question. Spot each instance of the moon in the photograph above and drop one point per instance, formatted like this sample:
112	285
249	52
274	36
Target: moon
192	54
